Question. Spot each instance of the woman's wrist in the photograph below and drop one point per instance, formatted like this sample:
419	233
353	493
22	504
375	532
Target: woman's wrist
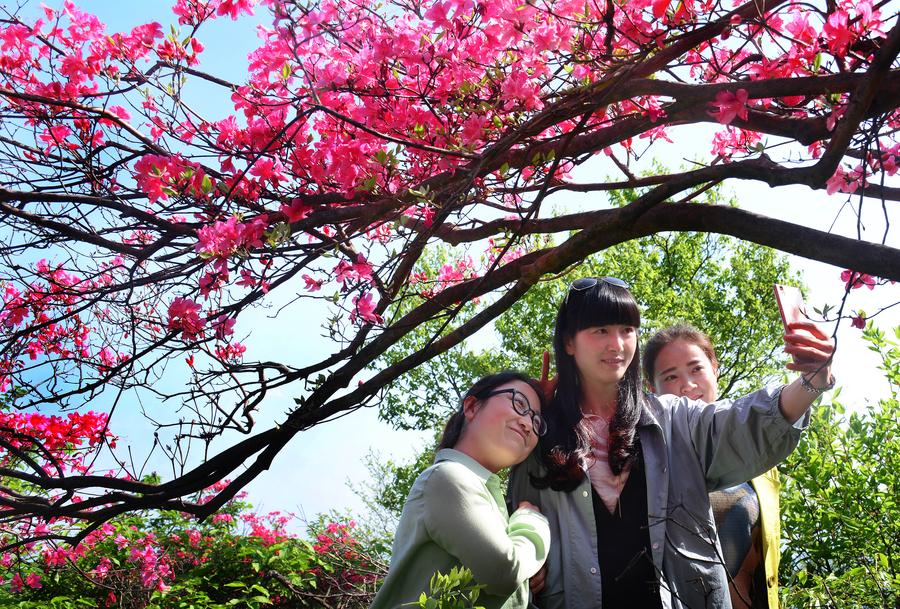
818	382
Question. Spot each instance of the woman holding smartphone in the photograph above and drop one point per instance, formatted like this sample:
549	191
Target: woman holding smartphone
623	476
681	360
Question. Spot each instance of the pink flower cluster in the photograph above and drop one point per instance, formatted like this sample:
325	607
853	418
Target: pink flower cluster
64	437
184	316
269	529
222	239
48	303
195	12
364	307
164	176
730	106
854	280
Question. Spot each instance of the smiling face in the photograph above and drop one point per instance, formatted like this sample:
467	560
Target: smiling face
683	368
603	353
495	434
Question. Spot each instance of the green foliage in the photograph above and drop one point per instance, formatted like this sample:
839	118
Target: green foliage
409	403
388	487
722	285
840	513
719	284
454	590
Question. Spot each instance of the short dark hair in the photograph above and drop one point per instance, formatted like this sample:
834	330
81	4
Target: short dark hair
479	390
666	336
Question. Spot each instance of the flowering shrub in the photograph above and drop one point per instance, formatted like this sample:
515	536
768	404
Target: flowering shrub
165	559
326	165
236	558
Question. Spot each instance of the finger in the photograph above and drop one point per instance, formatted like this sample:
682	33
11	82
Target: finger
552	383
807	364
537	581
814	367
809	326
798	340
545	367
806	352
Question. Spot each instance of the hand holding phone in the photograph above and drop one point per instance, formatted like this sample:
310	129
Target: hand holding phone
793	311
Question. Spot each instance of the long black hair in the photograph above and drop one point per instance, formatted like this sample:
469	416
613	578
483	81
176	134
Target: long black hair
567	443
482	387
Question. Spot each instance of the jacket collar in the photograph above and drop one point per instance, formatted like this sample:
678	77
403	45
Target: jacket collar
451	454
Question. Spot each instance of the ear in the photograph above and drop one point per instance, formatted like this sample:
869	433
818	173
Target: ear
470	407
715	368
651	388
570	348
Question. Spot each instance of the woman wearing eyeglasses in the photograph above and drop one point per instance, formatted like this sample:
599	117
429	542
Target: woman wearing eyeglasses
455	515
623	476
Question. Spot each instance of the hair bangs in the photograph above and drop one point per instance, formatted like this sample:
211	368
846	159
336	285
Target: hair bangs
603	305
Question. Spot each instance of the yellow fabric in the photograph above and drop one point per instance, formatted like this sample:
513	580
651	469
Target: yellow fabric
767	488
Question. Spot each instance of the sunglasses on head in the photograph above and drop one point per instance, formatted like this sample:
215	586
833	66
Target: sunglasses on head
586	283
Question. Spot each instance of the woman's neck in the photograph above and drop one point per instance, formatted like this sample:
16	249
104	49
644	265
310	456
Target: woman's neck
468	447
600	400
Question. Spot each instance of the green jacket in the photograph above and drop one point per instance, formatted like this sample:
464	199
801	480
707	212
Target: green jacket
455	516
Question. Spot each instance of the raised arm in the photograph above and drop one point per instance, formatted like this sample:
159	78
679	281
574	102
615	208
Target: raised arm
813	351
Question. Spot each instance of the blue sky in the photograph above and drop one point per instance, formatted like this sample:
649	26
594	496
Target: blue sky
311	473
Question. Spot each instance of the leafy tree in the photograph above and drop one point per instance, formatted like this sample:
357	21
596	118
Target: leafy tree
722	285
140	228
840	513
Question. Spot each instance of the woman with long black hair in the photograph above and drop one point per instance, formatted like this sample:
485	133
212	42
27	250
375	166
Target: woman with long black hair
623	476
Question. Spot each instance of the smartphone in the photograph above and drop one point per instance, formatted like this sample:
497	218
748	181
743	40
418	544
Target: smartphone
792	308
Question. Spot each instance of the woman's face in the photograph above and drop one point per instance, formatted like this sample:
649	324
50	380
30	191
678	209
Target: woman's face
495	434
683	368
603	353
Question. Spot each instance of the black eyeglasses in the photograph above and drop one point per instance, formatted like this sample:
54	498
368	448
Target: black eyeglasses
522	406
586	283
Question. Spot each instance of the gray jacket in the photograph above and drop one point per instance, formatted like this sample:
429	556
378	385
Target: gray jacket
689	449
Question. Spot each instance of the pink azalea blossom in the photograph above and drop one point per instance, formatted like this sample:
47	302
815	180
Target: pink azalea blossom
55	137
660	7
858	321
313	285
222	239
233	8
360	270
730	106
184	315
16	584
364	309
838	32
844	181
854	280
247	279
296	211
224	326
